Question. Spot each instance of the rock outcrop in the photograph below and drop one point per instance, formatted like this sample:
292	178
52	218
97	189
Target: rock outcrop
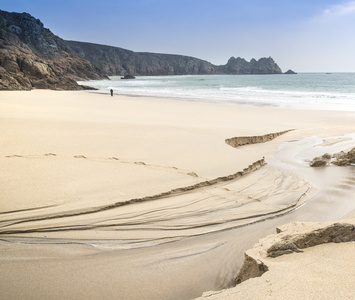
340	159
128	77
290	72
241	66
118	61
31	56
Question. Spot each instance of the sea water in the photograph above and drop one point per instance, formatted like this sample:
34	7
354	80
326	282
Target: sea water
324	91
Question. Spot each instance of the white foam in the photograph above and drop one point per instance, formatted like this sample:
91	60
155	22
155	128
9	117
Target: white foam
283	90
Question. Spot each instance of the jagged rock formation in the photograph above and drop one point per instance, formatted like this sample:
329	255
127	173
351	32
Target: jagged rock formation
118	61
245	140
241	66
340	159
31	56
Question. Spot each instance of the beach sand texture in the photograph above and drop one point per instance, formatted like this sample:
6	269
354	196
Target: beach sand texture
323	271
142	198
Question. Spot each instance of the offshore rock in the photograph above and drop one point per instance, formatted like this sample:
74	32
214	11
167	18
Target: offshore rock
290	72
128	77
241	66
31	56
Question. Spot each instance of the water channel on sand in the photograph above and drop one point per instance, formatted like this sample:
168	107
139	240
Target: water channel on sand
197	259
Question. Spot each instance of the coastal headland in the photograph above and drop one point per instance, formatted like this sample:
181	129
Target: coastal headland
144	198
33	57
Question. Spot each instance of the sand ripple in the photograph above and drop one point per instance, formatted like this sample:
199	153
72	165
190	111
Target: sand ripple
257	193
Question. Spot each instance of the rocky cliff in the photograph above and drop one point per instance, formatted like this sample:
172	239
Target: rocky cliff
241	66
118	61
31	56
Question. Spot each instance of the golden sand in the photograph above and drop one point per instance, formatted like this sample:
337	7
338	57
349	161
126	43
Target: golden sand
138	198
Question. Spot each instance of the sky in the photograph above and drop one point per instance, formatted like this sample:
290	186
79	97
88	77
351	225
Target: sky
302	35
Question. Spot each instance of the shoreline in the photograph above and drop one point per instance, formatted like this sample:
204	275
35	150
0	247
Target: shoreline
72	151
289	98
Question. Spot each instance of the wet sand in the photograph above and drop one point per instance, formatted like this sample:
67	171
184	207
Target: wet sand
141	198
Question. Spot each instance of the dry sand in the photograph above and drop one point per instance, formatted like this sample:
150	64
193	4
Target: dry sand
72	162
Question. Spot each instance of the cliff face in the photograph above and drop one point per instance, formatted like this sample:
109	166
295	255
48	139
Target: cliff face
117	61
31	56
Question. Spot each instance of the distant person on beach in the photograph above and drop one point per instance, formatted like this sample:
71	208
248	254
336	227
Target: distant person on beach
111	92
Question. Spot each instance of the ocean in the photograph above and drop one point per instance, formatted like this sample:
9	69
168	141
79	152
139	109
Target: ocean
320	91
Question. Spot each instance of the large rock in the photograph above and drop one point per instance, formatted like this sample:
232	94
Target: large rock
290	72
241	66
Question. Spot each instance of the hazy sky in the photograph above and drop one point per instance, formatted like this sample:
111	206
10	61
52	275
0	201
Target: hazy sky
303	35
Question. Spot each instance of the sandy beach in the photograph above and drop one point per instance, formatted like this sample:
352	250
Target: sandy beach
142	198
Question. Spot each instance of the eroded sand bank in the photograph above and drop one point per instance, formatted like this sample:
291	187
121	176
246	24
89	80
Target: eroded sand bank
74	164
302	261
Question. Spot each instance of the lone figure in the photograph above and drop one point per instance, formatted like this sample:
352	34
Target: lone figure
111	92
